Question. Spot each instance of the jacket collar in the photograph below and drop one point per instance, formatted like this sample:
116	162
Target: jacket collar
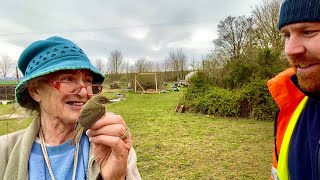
315	96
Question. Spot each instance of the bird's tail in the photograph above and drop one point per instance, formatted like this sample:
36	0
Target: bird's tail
77	135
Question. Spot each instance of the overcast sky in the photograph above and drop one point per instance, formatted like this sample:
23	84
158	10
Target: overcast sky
137	28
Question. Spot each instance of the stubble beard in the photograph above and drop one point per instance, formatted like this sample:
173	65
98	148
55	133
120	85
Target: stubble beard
309	82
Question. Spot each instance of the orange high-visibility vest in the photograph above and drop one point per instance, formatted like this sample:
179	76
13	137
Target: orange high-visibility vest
287	96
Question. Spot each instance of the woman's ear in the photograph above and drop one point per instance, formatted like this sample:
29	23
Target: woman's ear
33	91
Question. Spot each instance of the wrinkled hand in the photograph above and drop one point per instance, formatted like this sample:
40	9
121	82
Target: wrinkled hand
110	151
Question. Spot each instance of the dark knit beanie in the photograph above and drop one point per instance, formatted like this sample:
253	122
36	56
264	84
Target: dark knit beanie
295	11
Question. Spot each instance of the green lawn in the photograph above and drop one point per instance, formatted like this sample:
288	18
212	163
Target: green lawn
8	126
171	145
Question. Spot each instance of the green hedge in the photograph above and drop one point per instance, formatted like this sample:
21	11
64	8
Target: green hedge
8	82
252	100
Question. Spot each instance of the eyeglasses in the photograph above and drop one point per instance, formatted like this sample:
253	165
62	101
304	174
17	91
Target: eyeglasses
74	88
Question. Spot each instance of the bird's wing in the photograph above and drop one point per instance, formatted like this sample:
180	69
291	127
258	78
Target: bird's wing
90	115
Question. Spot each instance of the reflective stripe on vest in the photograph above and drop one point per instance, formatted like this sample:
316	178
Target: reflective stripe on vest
283	172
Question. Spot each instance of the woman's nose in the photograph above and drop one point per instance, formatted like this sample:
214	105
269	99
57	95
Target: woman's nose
83	91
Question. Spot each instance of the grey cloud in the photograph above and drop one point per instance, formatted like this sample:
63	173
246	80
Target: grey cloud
99	27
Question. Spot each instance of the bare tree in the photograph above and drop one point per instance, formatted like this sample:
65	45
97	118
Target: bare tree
127	68
7	65
165	67
178	62
142	65
213	66
194	64
233	33
99	63
115	62
265	17
156	66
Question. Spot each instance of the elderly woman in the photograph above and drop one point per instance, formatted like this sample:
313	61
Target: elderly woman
58	80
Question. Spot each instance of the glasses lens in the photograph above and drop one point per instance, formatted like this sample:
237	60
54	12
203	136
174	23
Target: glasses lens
95	89
69	87
74	88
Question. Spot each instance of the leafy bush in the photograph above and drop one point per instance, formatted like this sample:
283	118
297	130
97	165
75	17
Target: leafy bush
148	81
256	102
114	85
252	101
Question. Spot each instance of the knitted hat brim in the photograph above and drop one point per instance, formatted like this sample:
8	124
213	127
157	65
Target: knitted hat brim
65	63
298	11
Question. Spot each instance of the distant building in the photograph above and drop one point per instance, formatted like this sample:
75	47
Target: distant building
188	76
7	88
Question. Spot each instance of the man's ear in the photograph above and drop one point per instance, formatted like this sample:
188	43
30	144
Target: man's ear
33	91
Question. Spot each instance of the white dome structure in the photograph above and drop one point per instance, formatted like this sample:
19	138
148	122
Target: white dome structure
189	75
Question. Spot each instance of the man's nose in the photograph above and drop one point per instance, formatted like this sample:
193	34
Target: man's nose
294	46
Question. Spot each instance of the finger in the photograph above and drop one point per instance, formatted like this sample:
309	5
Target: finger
110	130
109	113
108	119
116	143
126	134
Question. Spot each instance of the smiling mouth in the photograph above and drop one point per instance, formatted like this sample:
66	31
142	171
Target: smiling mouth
74	103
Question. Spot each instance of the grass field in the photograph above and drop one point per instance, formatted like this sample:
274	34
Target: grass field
171	145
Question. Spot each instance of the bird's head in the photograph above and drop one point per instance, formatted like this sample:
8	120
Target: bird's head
101	99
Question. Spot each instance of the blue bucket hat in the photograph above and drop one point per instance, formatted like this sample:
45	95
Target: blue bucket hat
48	56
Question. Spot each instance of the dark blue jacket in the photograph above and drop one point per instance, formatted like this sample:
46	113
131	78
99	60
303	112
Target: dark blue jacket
303	157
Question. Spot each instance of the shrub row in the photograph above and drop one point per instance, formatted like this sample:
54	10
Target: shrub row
251	101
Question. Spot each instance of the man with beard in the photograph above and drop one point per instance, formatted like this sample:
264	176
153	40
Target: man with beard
296	91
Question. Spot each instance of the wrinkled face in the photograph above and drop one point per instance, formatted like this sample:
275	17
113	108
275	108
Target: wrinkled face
58	105
302	47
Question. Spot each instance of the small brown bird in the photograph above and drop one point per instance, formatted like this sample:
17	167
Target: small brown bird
90	113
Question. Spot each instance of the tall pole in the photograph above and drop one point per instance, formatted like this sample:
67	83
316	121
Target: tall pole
135	82
17	74
155	79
